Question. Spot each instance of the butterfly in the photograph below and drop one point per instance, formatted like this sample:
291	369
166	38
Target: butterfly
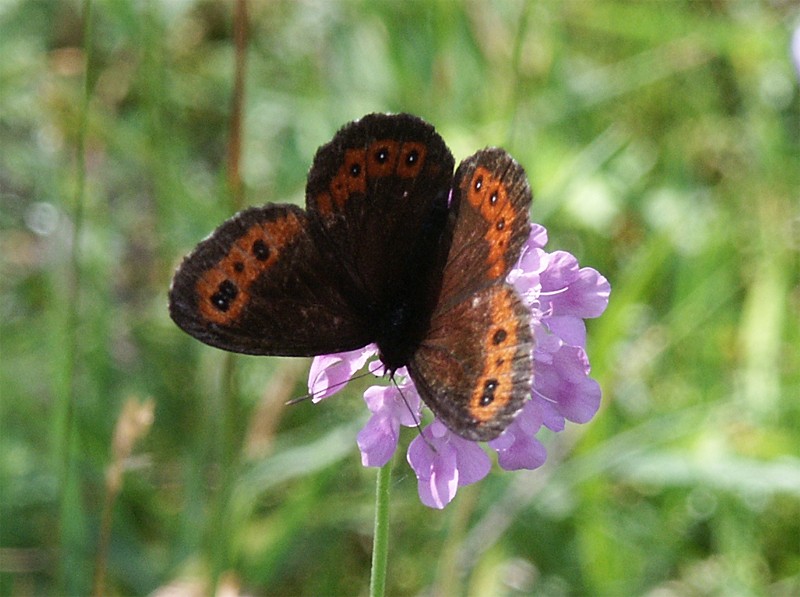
392	248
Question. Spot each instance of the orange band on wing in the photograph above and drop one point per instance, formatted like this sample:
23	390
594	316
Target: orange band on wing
489	196
495	385
223	289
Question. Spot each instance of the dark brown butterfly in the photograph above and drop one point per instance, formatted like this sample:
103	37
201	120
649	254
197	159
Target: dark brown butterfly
392	248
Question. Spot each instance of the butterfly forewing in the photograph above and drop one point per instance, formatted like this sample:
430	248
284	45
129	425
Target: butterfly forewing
377	197
258	285
489	223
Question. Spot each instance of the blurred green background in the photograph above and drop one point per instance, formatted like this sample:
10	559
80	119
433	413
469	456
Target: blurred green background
662	140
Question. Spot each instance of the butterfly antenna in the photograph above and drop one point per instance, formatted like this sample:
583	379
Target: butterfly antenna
311	395
411	411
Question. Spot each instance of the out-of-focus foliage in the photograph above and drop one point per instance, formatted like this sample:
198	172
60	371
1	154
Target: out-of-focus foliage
662	140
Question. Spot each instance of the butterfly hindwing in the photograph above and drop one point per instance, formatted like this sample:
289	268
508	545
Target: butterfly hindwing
474	367
258	285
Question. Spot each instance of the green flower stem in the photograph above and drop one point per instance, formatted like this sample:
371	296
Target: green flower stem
380	540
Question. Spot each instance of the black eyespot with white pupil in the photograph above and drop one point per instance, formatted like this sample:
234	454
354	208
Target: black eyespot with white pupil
412	157
479	183
493	198
261	250
355	170
488	392
226	293
382	155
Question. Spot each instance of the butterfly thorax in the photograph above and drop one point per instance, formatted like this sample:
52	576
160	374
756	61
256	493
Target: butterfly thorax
401	328
404	316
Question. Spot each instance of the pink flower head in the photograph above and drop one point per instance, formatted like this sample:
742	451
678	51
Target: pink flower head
560	295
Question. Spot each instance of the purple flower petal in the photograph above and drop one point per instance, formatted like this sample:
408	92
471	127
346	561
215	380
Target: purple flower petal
437	475
537	238
377	441
567	388
551	417
568	290
526	275
472	462
440	489
562	269
568	330
571	363
401	402
517	448
329	373
586	296
547	343
443	463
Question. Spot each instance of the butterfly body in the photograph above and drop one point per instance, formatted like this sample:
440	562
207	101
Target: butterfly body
392	249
